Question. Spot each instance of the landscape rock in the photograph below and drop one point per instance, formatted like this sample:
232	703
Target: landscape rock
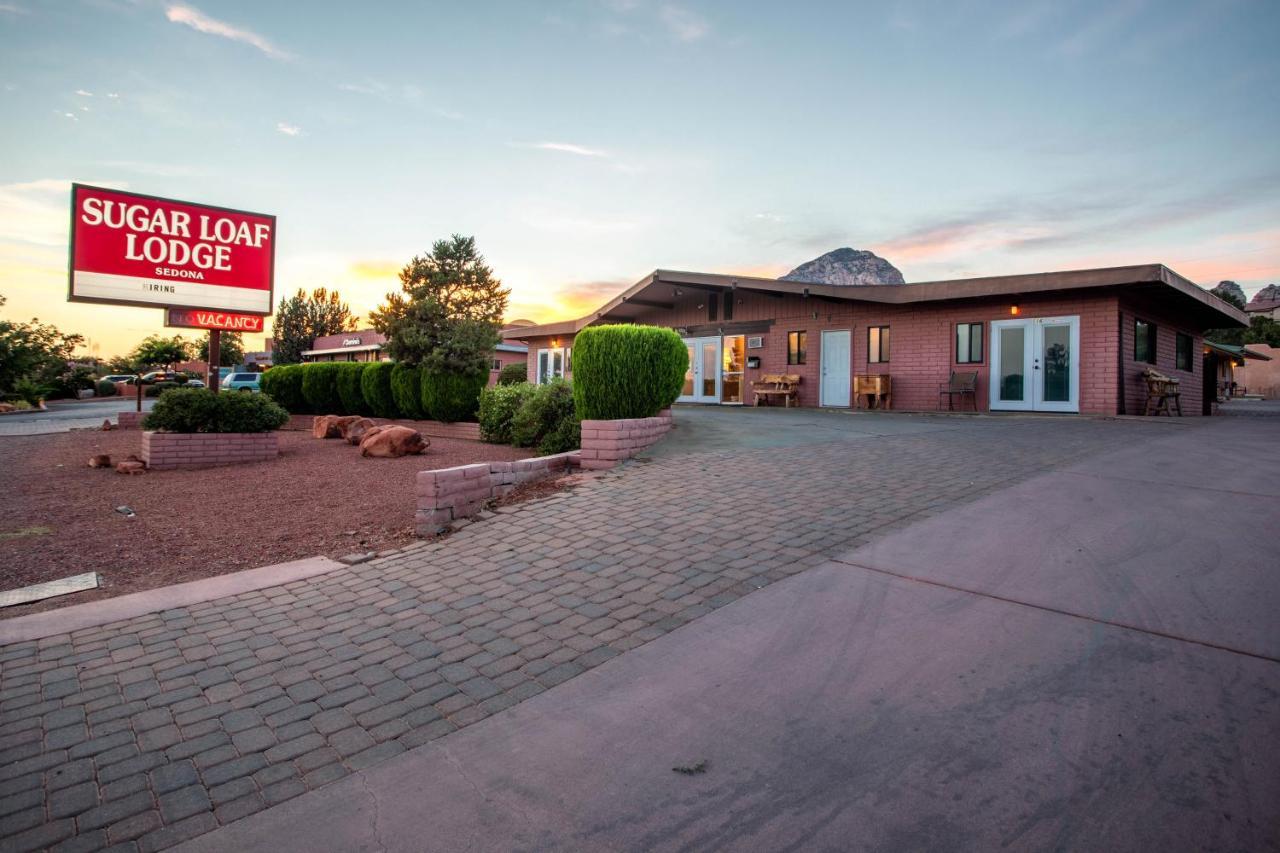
847	267
357	429
101	460
107	426
5	408
131	467
330	426
394	441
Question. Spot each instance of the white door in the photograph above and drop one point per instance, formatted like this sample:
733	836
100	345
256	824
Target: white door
833	389
702	379
1035	365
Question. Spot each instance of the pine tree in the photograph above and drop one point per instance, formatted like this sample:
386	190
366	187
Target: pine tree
301	319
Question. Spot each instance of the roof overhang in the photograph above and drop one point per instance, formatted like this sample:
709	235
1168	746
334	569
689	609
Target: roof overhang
337	350
658	289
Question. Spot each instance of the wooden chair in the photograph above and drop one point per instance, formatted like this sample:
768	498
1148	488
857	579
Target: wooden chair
1163	395
959	384
876	387
772	386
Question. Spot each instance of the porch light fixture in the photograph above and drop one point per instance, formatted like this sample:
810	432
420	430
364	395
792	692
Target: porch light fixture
1015	310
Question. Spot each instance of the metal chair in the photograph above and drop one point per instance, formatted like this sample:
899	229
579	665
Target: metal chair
961	384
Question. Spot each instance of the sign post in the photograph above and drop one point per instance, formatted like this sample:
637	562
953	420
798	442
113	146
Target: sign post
215	358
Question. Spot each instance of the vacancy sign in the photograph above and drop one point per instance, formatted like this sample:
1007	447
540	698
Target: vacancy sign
225	321
130	249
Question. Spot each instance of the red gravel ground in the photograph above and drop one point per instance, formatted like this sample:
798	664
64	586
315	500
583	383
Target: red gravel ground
319	498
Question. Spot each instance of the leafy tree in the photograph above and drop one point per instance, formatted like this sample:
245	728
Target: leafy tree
301	319
448	312
162	352
230	349
33	350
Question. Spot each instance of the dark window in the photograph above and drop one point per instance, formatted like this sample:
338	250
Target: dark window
728	305
1184	352
1144	341
878	344
713	303
969	343
797	345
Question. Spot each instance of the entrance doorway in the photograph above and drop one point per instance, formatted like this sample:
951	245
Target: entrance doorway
833	389
702	379
732	364
1035	365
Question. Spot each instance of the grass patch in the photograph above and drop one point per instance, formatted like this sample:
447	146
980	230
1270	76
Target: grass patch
37	530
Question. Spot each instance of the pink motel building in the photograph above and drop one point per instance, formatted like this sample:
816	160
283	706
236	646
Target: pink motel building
1075	341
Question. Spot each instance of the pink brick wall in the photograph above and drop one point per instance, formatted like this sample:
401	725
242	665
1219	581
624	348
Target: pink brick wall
1190	383
163	450
606	443
450	494
130	420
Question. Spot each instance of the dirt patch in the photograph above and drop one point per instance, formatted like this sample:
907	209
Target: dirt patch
319	498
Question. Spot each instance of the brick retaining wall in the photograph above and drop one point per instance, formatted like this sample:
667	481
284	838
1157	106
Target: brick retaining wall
606	443
130	420
163	450
450	494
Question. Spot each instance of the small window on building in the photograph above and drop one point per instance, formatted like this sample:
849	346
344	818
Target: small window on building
495	364
878	344
969	343
1184	353
797	347
568	359
1144	341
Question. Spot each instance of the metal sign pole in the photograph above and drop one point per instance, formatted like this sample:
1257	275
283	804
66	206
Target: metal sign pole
215	358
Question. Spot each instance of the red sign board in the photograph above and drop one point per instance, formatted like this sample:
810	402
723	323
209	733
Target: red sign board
130	249
195	318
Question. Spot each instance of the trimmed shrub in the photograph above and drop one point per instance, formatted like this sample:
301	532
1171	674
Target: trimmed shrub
452	397
626	371
375	386
284	385
201	410
513	374
349	389
320	387
103	388
498	406
546	419
406	388
155	389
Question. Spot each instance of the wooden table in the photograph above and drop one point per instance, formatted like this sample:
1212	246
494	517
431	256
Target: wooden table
873	385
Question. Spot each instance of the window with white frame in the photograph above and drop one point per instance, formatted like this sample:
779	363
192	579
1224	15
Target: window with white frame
554	363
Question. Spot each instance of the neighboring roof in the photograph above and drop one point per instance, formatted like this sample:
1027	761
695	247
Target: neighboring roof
332	350
658	284
365	336
1265	305
1237	351
511	348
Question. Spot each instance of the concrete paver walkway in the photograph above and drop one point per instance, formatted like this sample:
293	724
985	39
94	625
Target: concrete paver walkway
850	708
159	728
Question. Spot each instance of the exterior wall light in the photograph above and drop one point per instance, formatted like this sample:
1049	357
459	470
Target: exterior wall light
1014	310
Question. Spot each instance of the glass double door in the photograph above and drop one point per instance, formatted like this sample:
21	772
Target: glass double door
715	373
1035	365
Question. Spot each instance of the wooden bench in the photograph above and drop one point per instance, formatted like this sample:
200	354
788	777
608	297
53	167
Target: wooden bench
771	386
876	387
1162	391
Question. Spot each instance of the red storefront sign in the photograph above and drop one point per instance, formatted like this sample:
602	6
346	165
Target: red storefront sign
130	249
194	318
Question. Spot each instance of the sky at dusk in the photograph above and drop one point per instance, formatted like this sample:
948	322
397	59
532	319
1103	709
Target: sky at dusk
588	142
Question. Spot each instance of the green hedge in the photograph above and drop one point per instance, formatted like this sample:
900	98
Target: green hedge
452	397
350	390
498	407
155	389
284	385
202	410
375	387
626	371
513	374
546	419
103	388
320	388
406	388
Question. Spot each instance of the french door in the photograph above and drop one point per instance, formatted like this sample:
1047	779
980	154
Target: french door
1035	365
702	379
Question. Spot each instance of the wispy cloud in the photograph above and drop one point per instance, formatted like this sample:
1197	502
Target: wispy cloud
82	93
683	24
34	213
564	148
200	22
13	9
288	129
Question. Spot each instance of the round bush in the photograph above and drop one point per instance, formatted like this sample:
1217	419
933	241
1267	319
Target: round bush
546	419
406	388
452	397
320	387
202	410
349	389
155	389
103	388
498	406
375	386
284	385
513	374
627	371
